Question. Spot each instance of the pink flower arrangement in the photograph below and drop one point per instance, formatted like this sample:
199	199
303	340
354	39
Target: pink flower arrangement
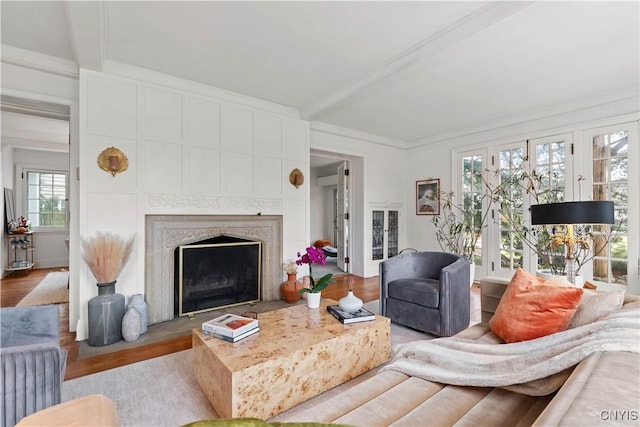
314	256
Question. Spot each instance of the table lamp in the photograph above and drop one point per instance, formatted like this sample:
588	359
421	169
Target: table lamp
569	214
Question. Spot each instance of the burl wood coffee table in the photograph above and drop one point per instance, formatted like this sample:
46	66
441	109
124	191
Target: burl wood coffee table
298	354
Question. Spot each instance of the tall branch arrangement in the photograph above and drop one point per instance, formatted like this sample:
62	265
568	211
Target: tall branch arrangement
548	242
106	255
458	227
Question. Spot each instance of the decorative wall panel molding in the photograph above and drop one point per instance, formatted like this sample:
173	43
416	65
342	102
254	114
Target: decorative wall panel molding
184	201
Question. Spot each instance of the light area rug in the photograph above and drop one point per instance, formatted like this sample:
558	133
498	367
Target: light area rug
53	289
164	392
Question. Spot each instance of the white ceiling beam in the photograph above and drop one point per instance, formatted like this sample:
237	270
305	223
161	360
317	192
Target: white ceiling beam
87	28
480	19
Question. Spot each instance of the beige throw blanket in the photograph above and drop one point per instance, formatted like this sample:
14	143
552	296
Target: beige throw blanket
536	367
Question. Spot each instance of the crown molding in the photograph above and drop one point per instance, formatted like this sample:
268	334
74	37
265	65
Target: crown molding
356	134
161	79
39	62
578	111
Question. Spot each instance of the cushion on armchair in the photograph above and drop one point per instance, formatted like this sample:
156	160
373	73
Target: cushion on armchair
419	291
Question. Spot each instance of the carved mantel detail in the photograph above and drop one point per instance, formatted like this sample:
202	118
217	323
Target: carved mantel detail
183	201
164	233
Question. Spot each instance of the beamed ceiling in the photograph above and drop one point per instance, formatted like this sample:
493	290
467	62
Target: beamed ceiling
409	72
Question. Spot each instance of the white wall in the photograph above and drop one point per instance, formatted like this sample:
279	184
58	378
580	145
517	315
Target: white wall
188	154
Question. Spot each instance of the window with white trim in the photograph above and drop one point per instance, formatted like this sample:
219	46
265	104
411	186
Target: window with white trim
610	171
45	194
606	154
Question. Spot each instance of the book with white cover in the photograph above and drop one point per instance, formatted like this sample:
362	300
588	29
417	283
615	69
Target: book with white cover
362	315
230	325
233	339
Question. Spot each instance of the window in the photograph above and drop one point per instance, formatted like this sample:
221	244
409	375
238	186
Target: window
473	191
511	166
545	170
45	198
550	163
610	182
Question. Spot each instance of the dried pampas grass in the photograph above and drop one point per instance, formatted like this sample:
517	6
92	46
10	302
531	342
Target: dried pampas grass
106	254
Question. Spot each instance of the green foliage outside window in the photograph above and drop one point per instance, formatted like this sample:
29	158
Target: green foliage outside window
46	199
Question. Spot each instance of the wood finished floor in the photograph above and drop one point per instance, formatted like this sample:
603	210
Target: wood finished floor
17	286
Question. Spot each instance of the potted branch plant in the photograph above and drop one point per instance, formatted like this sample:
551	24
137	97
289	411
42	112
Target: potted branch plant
548	243
106	255
459	226
314	256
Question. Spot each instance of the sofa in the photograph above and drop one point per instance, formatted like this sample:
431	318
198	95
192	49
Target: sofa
33	363
427	291
603	389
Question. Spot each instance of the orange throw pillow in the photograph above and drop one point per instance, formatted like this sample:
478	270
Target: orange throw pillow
532	308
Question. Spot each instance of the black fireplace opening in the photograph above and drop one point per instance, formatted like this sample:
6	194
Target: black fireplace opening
214	273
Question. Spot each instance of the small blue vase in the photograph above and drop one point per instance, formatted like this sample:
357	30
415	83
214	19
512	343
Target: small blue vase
137	302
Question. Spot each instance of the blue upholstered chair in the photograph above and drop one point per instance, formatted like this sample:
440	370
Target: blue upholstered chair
32	361
427	291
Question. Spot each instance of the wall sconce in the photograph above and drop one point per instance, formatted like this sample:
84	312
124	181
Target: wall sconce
113	160
296	178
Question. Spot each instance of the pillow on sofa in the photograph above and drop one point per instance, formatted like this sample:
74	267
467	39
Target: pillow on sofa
532	307
595	304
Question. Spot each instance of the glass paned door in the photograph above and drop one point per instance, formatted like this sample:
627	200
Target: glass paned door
392	234
530	172
377	227
473	191
511	209
610	173
550	167
385	233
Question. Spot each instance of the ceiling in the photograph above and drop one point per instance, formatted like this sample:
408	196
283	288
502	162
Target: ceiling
409	72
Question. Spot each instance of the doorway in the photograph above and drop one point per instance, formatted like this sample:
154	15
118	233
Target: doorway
36	146
329	190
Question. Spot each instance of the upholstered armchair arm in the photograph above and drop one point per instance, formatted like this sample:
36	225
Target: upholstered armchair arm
31	359
455	297
33	376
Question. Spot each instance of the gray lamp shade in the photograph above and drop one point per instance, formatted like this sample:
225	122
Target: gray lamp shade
588	212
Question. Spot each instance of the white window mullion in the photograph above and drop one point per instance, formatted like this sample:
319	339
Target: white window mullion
616	181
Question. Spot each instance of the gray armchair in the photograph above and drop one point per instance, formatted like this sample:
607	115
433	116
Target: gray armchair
427	291
33	364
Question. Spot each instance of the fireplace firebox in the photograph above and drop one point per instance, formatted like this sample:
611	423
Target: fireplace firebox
219	272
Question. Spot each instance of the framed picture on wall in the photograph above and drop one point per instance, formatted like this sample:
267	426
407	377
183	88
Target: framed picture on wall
428	197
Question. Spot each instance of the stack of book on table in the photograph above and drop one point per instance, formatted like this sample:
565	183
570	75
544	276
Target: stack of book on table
231	327
362	315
